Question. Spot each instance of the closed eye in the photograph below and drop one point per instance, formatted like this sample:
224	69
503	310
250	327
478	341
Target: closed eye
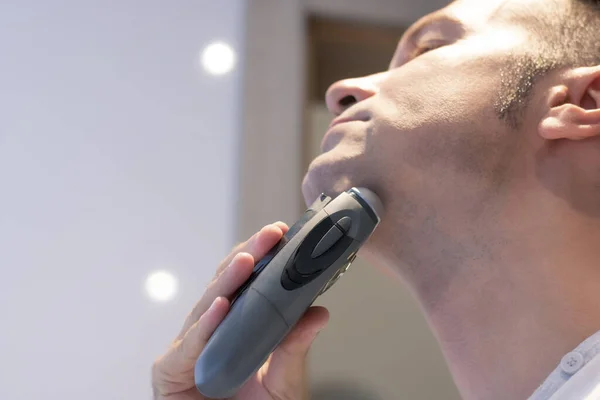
426	48
437	30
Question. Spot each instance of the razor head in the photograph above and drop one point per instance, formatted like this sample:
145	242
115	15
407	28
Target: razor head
373	202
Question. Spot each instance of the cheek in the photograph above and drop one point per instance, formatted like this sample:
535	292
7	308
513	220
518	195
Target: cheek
452	83
440	102
439	131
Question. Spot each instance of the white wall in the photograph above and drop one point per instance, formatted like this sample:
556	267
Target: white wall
117	157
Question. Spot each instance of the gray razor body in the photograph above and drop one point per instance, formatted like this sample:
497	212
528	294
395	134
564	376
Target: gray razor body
307	261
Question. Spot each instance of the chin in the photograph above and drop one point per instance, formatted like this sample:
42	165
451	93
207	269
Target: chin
310	189
336	170
319	180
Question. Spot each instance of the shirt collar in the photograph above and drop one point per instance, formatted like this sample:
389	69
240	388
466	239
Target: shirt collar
569	365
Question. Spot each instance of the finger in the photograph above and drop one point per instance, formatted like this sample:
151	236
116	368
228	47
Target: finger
286	372
197	336
174	372
258	245
247	254
225	286
283	226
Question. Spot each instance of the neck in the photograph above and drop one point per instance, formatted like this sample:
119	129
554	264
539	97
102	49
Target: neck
507	297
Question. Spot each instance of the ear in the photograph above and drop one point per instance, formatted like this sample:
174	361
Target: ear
573	106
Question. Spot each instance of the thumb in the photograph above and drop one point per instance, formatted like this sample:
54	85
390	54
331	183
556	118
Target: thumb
298	341
286	374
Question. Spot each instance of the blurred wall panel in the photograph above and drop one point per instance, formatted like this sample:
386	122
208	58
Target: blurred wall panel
377	11
274	94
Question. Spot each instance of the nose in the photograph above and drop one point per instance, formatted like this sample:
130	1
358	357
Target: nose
345	93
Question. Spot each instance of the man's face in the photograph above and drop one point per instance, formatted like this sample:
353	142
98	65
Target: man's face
425	134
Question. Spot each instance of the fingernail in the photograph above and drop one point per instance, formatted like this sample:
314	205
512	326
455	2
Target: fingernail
228	267
213	305
236	258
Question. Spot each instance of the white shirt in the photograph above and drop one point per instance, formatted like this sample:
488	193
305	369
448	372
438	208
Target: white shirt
576	377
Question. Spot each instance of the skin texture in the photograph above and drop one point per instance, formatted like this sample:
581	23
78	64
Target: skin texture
493	225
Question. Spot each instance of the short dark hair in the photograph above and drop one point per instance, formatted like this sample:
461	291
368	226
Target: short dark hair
564	34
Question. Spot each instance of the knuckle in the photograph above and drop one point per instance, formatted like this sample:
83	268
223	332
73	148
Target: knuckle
156	372
285	394
156	367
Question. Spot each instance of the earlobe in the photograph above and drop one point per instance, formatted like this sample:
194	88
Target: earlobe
573	107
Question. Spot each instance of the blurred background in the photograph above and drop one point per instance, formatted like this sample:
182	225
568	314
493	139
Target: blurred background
139	141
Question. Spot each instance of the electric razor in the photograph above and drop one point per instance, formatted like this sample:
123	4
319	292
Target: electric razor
306	262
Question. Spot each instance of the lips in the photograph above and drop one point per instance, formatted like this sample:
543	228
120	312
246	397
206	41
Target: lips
338	121
333	136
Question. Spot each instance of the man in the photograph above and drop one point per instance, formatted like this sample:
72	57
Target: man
483	142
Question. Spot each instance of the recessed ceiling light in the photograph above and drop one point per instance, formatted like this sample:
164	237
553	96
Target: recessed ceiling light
161	286
218	58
